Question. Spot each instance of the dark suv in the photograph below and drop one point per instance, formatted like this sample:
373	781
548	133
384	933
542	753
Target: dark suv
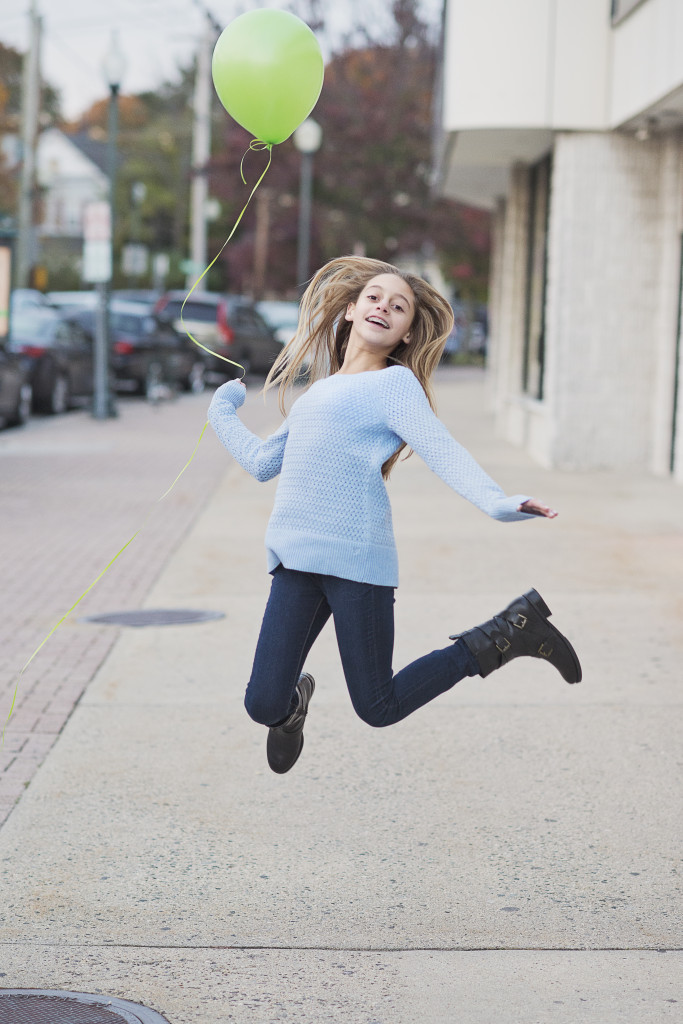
228	325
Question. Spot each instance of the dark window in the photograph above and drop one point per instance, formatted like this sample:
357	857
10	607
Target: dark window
620	8
537	272
205	312
677	365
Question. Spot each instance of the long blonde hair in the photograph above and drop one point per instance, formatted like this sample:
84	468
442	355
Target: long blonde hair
318	347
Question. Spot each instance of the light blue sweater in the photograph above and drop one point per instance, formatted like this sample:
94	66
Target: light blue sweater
332	513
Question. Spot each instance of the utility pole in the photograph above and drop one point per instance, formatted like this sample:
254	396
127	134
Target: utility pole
261	241
30	107
201	151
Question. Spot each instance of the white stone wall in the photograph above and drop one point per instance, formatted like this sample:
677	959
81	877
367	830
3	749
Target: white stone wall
670	217
602	300
611	306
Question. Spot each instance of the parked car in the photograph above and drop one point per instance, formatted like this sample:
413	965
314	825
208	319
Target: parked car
228	325
282	316
57	354
15	390
146	353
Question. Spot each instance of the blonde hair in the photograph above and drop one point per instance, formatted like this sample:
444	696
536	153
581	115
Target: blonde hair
318	347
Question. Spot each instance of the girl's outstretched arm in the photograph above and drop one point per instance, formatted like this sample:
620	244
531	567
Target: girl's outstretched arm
263	459
410	416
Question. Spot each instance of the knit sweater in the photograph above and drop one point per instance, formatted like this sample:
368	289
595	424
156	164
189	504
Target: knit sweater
332	513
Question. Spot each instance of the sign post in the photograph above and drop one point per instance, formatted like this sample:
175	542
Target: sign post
5	285
97	270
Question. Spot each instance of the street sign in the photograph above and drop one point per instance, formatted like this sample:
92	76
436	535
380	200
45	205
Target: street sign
97	242
134	259
97	222
5	282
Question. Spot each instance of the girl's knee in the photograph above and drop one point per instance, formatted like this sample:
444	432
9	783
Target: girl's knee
260	709
378	718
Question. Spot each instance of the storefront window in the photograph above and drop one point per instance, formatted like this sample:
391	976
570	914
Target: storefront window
537	247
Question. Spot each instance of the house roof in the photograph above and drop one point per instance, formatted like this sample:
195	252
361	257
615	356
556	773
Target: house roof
93	149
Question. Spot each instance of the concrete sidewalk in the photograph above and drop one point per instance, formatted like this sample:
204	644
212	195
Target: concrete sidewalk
510	853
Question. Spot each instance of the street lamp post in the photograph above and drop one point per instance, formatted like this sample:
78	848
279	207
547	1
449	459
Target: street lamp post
113	68
307	139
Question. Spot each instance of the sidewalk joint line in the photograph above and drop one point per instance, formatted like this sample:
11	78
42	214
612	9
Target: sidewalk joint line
350	949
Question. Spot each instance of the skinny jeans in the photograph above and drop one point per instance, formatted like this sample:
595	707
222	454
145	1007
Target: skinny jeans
299	605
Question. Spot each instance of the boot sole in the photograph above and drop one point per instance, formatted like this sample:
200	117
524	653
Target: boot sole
538	604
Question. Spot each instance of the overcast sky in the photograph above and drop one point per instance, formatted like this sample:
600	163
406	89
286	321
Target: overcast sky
156	36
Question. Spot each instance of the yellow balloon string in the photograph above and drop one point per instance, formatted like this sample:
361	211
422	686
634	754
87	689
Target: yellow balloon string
255	146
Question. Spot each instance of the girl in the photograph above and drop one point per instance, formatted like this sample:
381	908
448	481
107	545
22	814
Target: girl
370	337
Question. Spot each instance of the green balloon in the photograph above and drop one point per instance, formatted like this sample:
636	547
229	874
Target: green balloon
268	72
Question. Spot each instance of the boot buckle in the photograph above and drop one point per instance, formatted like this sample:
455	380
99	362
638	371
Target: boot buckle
520	621
503	644
546	649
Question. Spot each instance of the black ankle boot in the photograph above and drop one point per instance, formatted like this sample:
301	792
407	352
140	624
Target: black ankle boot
286	741
521	629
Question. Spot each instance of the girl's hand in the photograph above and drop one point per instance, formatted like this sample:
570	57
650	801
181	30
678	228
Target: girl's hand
233	391
537	508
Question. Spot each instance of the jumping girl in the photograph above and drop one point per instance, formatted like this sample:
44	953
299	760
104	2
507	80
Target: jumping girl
370	337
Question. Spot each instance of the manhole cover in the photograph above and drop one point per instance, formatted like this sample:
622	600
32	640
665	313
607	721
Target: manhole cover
155	617
33	1006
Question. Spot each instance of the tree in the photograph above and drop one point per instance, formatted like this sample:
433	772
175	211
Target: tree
371	175
154	144
11	70
371	187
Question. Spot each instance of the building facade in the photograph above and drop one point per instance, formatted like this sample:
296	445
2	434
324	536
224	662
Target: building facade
565	119
71	173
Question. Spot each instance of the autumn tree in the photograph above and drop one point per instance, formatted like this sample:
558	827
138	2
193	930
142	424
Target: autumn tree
371	190
11	70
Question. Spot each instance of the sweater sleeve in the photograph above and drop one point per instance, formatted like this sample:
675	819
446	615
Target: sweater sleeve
410	416
263	459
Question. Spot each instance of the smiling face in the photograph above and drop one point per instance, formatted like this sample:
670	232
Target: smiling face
382	315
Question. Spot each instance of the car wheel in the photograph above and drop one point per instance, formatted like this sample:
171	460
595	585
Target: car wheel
23	407
59	396
196	378
154	382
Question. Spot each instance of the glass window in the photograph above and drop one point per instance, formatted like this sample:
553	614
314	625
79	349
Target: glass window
537	260
205	312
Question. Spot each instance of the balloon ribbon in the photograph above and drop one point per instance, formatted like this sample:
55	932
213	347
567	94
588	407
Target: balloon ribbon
255	146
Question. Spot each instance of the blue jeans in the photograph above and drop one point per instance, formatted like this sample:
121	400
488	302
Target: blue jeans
299	605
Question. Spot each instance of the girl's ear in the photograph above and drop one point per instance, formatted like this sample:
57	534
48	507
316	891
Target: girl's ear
406	339
349	310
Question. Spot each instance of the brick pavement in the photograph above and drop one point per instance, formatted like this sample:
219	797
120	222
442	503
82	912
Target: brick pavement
74	490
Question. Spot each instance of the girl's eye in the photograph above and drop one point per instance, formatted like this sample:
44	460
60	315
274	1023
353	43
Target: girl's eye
372	298
399	308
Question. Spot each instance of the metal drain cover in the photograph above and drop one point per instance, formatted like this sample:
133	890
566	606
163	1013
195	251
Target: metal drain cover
37	1006
155	617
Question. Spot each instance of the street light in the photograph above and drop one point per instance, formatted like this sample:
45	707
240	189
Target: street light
113	67
307	139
